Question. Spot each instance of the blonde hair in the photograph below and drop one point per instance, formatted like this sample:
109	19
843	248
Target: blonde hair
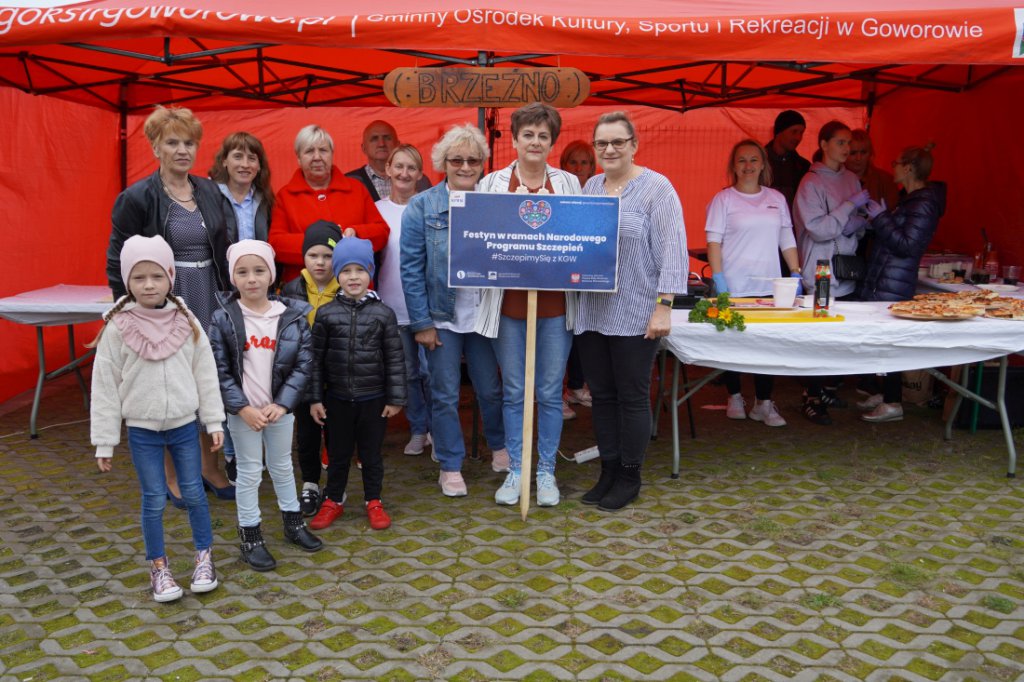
764	178
128	298
465	134
173	120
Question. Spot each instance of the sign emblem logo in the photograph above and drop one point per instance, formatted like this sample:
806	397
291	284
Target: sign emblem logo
534	213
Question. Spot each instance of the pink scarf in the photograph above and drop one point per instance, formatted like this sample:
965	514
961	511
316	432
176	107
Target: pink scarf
153	333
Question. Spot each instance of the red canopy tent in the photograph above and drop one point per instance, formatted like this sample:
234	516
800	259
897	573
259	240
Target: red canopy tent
942	72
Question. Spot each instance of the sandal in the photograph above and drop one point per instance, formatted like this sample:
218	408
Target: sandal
814	409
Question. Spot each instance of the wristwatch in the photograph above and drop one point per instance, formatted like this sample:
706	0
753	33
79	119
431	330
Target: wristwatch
664	301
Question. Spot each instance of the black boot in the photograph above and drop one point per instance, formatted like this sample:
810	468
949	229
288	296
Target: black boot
625	489
295	532
254	550
608	469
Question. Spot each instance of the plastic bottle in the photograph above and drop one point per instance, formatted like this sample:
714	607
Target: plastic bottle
822	280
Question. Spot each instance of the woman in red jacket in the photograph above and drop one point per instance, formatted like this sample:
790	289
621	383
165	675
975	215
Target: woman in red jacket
319	191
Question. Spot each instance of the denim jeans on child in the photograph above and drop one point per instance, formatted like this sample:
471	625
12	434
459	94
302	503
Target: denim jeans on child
147	448
417	383
249	453
445	382
553	344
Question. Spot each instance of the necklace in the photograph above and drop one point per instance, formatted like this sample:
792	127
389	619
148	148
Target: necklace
523	188
180	201
617	189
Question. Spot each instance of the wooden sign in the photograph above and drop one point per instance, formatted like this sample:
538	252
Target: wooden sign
486	87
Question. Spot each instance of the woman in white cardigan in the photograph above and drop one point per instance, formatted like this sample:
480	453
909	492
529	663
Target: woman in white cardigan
535	129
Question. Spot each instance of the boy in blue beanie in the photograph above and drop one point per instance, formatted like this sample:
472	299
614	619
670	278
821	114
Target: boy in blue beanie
358	381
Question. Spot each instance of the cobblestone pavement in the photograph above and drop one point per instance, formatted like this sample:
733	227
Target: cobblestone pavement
875	552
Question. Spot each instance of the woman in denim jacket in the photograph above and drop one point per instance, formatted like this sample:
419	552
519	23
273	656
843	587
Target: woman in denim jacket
442	318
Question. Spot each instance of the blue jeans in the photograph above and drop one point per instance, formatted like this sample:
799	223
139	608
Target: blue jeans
417	383
276	438
147	448
553	345
445	380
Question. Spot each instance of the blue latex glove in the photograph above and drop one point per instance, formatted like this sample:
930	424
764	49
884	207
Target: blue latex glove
875	209
799	283
860	198
721	285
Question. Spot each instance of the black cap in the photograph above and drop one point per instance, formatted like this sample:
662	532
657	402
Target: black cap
321	233
788	119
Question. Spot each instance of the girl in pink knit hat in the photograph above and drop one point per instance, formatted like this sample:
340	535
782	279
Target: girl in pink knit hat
154	369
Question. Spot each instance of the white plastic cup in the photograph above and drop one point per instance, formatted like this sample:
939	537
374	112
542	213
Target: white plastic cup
784	291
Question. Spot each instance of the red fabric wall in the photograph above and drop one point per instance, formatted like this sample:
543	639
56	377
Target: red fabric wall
59	172
976	146
58	180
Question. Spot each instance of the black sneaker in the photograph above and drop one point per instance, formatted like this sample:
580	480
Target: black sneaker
309	502
815	410
830	399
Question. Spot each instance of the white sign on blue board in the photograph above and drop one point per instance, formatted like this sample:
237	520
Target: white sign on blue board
554	242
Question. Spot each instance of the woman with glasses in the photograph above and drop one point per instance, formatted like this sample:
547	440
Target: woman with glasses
619	333
443	320
901	236
535	129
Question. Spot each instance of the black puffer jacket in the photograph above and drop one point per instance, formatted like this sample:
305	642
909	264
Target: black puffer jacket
901	237
293	353
142	209
357	352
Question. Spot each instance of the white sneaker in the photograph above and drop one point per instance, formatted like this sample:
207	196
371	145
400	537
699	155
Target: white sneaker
499	461
162	581
547	490
735	407
579	396
452	483
885	412
871	402
508	493
204	578
765	411
416	444
567	412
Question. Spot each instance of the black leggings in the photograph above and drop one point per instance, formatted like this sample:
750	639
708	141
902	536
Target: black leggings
618	370
763	384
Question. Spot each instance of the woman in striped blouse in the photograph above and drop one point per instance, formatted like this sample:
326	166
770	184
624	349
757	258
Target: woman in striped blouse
618	334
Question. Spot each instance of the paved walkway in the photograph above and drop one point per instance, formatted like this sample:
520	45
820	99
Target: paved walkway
875	552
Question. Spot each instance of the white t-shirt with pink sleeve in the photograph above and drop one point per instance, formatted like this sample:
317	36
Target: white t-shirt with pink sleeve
259	351
752	229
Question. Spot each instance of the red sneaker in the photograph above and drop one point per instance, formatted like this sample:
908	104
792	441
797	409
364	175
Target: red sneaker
379	519
329	511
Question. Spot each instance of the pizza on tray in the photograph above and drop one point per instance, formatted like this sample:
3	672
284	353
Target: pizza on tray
961	305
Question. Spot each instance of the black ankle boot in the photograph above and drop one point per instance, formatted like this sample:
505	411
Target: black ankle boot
254	550
295	532
608	469
624	490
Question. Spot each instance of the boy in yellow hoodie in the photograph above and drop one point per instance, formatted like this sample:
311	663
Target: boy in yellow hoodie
317	286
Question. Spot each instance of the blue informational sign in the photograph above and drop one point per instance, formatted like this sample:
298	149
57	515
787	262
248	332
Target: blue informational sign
556	242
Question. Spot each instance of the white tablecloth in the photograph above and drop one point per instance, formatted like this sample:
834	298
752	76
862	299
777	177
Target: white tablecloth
57	305
870	340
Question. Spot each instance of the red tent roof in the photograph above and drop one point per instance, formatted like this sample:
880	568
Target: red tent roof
656	52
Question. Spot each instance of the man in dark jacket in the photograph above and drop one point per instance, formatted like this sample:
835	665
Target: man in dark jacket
379	140
358	381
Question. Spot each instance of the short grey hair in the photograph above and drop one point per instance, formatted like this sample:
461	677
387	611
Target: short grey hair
311	135
458	135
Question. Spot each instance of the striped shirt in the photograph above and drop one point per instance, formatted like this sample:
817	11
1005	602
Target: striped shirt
652	257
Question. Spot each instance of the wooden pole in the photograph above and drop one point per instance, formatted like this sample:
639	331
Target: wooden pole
531	370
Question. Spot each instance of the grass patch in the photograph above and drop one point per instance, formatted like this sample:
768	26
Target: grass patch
1000	604
908	575
821	601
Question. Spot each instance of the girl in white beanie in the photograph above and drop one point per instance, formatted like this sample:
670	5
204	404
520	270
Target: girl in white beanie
154	369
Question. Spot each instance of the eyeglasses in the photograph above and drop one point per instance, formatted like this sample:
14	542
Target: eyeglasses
617	144
459	162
